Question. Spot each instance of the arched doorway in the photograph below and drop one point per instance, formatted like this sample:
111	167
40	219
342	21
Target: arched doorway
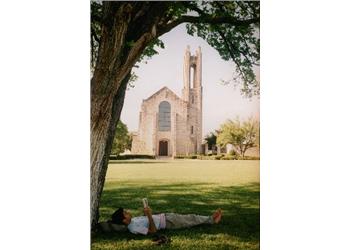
163	148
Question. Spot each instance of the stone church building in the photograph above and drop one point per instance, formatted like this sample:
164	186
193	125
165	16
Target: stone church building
170	125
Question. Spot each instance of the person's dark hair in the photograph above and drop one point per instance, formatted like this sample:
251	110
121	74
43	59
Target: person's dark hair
118	216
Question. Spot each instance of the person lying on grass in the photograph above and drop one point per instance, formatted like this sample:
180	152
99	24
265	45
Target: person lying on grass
149	223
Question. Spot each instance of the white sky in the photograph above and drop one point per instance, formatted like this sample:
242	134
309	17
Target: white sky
166	69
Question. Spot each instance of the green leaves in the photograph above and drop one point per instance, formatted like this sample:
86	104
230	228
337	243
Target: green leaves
242	135
236	39
122	139
230	27
150	50
211	139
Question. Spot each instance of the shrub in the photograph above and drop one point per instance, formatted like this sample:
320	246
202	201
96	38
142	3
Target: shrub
179	157
228	157
112	157
188	157
251	158
128	157
204	157
233	153
218	157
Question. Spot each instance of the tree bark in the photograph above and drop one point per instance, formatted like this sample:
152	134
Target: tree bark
121	23
107	96
102	145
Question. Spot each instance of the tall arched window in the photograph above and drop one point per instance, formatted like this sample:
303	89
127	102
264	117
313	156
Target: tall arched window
164	122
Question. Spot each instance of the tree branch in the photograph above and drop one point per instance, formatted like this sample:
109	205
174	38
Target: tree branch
218	20
232	56
229	44
94	35
207	20
247	46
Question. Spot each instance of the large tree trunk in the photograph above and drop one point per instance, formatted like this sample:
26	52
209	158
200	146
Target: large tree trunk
122	22
101	144
107	96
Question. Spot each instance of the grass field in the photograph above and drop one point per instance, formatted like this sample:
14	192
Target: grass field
185	186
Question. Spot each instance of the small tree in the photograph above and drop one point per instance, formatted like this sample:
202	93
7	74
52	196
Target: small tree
122	139
242	135
211	139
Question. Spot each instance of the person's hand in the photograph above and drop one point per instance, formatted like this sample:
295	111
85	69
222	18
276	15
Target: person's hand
147	211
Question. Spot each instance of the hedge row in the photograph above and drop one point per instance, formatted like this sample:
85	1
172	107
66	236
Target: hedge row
129	157
217	157
199	157
186	157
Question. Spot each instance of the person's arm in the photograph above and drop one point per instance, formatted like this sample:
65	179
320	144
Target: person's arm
152	227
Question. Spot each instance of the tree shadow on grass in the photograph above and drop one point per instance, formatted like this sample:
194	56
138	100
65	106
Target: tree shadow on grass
240	205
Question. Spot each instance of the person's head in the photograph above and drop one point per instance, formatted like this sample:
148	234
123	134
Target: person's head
121	216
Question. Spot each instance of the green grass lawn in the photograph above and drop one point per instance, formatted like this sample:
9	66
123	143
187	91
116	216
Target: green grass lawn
185	186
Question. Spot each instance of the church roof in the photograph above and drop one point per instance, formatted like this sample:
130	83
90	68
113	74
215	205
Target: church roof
162	90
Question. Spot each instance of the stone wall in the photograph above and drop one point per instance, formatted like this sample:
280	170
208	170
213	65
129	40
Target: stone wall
147	141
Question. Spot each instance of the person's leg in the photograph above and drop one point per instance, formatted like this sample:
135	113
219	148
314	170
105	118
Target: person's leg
175	221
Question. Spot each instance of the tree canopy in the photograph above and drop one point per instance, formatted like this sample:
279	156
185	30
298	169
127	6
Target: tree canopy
232	28
211	139
122	139
242	135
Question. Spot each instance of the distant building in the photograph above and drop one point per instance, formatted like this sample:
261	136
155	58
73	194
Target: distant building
170	125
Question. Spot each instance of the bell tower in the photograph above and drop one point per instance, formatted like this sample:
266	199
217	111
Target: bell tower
192	94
